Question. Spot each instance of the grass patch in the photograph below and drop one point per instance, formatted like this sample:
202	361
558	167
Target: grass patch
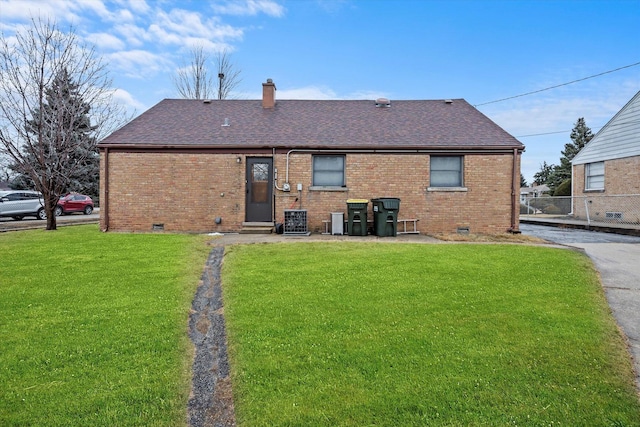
93	327
489	238
387	335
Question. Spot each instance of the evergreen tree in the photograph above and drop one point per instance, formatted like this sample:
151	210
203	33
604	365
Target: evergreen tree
523	182
70	152
580	136
542	176
52	87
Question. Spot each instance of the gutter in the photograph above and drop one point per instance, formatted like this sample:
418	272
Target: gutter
515	189
105	203
267	148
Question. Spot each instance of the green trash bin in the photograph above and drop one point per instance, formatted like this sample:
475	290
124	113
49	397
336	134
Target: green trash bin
357	217
385	216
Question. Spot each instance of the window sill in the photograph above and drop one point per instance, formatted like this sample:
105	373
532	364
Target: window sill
327	188
447	189
594	190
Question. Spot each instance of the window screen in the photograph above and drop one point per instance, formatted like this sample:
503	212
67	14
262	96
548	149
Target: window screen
446	171
328	171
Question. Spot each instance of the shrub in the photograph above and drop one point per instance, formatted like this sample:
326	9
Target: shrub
525	210
564	189
552	210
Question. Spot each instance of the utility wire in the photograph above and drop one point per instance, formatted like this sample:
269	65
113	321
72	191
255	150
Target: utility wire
560	85
567	131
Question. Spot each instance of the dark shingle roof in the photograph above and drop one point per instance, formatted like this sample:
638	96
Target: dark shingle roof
313	124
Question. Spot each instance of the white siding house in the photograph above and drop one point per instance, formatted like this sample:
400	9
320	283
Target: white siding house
606	172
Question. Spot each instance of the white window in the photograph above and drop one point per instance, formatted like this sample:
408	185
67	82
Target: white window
328	171
446	171
594	176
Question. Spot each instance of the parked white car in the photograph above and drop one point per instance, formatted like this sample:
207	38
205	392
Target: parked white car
20	203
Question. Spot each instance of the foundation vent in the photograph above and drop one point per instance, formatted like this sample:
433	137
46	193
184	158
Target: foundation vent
462	230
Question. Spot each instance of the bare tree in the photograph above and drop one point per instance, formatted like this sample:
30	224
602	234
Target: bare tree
55	104
194	81
228	74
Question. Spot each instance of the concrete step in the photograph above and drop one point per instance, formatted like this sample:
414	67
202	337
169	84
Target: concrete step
257	228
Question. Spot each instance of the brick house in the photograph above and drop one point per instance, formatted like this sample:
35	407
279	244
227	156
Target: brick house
219	165
606	172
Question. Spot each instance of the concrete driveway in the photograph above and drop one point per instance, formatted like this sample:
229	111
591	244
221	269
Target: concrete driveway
617	258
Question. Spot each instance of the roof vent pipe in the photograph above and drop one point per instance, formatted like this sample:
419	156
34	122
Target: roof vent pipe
383	102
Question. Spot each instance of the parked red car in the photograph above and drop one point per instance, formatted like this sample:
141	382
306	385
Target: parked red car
74	202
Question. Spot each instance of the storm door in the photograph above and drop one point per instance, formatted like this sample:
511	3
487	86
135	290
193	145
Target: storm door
259	202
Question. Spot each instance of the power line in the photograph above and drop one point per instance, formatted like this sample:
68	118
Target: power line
568	131
542	134
560	85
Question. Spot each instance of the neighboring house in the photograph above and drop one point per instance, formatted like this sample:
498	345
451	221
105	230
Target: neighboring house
221	165
527	193
606	172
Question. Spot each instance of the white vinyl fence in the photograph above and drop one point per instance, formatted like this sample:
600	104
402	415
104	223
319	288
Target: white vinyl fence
599	208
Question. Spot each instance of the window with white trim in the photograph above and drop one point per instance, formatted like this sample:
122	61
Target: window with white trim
594	176
328	171
446	171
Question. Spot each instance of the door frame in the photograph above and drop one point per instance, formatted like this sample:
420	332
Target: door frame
261	211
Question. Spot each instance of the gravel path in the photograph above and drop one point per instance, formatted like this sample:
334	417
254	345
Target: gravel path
211	400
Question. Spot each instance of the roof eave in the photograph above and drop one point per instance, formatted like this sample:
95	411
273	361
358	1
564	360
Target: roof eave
322	147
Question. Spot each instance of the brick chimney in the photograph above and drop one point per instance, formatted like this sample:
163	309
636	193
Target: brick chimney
268	94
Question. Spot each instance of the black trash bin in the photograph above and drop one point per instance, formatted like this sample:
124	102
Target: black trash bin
357	217
385	216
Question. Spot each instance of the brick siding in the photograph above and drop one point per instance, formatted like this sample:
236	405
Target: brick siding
621	177
187	192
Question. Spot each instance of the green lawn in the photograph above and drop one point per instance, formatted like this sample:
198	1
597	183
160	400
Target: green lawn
399	335
93	327
93	330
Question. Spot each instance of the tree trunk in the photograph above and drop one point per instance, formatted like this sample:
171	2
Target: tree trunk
51	215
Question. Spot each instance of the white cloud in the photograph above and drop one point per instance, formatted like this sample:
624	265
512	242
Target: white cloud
546	115
123	97
183	28
25	10
137	6
133	35
138	63
249	7
95	6
544	122
106	41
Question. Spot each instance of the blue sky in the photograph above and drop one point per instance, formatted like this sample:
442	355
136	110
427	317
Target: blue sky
479	50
